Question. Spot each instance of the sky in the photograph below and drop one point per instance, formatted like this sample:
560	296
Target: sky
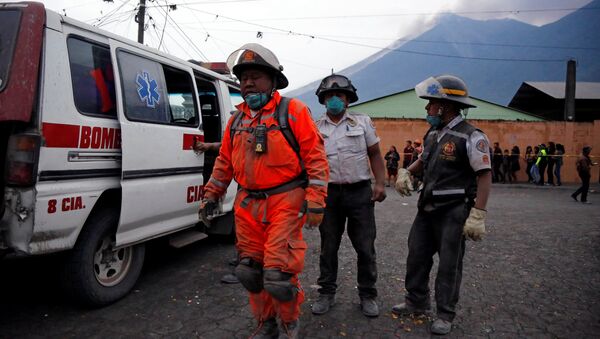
311	38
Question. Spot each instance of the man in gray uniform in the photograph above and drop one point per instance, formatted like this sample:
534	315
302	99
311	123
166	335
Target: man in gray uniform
457	178
351	145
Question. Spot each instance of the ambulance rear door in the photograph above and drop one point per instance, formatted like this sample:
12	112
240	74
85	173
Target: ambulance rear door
159	117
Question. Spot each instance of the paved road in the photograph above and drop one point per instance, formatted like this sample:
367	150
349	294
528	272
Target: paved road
536	274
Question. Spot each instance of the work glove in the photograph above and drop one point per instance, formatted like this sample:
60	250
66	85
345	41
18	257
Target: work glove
206	211
403	182
314	214
474	228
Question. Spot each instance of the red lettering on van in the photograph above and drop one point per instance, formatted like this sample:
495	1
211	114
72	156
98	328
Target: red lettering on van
195	193
72	204
100	138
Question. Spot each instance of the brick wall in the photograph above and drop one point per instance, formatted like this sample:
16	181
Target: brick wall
573	135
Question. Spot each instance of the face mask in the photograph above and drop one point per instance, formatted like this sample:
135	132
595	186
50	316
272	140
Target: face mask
256	100
435	121
335	105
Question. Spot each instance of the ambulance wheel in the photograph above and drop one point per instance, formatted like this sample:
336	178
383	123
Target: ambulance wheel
97	274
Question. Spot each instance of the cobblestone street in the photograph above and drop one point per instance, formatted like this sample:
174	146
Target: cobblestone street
536	274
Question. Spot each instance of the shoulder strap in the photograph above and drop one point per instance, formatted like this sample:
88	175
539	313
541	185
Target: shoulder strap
282	116
237	118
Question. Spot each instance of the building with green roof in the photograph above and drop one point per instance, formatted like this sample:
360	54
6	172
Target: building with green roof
407	105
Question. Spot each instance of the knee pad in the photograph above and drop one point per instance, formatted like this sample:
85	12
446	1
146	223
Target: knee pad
278	285
250	274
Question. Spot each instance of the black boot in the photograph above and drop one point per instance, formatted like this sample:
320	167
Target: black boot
266	330
289	330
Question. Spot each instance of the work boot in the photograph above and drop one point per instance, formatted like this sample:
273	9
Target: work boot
441	326
289	330
230	278
323	303
369	306
266	330
407	309
234	262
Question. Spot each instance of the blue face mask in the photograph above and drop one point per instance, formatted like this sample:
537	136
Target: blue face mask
434	120
335	105
256	100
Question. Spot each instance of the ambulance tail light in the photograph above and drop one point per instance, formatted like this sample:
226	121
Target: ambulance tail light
22	159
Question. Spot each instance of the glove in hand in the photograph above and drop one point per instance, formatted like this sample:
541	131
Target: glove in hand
474	228
206	211
314	214
403	183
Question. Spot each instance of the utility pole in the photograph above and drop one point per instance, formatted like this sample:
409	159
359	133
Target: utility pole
570	91
140	20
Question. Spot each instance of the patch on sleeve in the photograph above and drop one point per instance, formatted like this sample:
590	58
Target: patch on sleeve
372	123
485	159
482	146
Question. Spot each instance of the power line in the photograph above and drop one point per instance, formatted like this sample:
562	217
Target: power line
185	36
312	36
450	42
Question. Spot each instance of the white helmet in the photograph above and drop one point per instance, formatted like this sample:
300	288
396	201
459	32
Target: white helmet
256	56
445	87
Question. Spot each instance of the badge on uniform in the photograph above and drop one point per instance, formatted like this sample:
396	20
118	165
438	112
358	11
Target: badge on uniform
351	123
485	159
482	146
449	151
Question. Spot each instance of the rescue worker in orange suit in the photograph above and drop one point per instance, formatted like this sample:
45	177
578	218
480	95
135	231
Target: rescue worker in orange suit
352	145
280	189
456	184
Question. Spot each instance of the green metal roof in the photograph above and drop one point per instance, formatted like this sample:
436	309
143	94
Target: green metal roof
407	105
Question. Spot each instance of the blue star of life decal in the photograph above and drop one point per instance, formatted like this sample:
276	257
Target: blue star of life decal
147	89
433	89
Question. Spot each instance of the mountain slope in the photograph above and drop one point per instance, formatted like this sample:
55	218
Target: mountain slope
494	80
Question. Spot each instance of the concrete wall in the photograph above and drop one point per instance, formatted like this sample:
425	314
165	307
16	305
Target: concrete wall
573	135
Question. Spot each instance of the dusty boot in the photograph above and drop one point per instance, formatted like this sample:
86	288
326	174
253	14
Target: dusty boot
323	303
289	330
230	278
441	326
266	330
369	306
407	309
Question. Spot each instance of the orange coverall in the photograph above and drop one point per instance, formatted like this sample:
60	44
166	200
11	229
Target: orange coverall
269	230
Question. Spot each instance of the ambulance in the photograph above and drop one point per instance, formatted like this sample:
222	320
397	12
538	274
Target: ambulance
96	136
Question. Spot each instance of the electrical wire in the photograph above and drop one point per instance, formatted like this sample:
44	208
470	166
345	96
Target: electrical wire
185	36
313	36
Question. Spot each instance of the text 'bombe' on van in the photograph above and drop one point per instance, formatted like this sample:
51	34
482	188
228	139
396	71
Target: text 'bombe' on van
96	136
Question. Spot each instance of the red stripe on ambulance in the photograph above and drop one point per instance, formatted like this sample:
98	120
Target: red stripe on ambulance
189	139
75	136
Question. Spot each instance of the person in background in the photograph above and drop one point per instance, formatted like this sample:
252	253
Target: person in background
506	167
416	178
584	169
452	205
350	203
392	157
542	162
497	163
558	162
530	160
515	166
551	161
408	154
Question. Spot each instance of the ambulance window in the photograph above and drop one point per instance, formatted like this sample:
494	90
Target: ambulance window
156	93
181	97
9	26
235	96
92	78
209	108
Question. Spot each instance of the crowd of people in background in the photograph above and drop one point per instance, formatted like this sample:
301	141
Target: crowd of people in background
543	163
410	153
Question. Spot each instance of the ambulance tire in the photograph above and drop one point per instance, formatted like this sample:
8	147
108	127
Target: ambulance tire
95	274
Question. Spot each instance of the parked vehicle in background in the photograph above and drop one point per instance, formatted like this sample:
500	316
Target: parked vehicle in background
96	135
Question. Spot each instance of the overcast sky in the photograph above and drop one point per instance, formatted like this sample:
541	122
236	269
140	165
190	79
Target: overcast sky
310	37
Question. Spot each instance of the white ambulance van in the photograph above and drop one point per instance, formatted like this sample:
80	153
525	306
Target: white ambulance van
96	135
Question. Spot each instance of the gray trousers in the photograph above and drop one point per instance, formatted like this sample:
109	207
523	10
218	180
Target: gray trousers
441	232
